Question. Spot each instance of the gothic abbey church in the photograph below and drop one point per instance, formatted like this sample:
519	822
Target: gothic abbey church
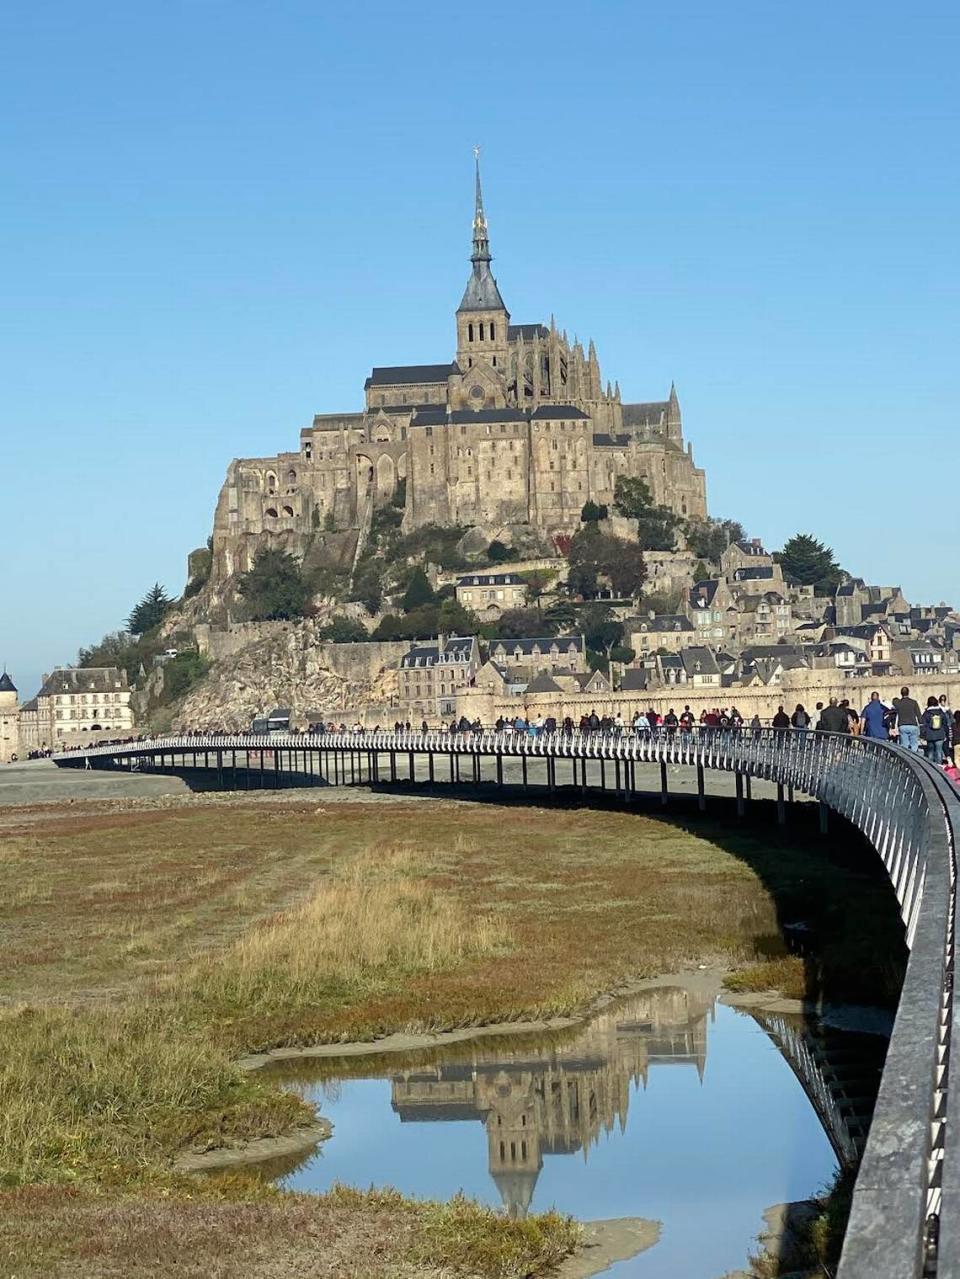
516	430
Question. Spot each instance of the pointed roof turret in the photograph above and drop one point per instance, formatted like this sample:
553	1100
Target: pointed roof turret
6	683
481	293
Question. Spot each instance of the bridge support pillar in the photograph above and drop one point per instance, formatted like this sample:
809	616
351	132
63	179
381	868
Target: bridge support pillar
523	771
749	782
664	788
430	767
413	766
781	806
701	790
824	818
499	770
741	807
551	774
616	775
603	773
476	770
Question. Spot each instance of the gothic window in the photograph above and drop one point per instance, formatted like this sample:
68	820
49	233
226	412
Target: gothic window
493	335
291	476
494	358
481	330
288	511
469	332
271	512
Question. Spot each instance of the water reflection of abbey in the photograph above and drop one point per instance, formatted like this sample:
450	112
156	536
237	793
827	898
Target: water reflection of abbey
558	1098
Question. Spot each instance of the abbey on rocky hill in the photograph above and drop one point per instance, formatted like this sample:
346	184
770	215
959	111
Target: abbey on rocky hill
517	429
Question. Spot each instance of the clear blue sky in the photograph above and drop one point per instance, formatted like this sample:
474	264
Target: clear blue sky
217	216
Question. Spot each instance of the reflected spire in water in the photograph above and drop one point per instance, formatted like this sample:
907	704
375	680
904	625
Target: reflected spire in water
557	1098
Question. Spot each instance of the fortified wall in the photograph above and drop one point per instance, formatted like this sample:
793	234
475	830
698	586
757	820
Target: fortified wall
804	687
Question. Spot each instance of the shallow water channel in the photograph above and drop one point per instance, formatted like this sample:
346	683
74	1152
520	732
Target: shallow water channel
666	1106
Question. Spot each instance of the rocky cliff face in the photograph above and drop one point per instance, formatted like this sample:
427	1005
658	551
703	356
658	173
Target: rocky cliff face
283	664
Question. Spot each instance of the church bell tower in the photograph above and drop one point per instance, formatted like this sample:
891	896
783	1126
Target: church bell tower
482	319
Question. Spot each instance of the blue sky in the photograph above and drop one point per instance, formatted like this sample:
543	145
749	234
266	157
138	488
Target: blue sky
217	216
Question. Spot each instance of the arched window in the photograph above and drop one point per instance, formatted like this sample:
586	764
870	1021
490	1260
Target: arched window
288	511
469	332
481	330
493	331
271	482
271	512
291	476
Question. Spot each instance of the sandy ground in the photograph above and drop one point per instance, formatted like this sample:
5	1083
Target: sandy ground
41	782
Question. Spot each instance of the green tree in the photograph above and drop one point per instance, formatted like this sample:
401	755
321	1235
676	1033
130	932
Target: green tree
343	630
418	592
601	630
182	672
520	623
709	538
498	553
368	585
620	653
274	588
656	525
811	563
562	614
150	612
454	619
537	580
662	601
594	556
591	513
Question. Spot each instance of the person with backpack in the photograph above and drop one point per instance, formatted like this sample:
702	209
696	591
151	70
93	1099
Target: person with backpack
933	724
800	720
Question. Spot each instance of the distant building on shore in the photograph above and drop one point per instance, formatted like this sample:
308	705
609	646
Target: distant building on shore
77	704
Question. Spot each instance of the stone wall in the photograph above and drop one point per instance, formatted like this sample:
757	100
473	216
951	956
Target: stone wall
805	687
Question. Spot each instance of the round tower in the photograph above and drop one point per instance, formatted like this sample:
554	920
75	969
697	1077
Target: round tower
9	719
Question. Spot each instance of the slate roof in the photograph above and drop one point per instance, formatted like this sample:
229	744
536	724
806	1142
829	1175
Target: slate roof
702	593
634	680
542	683
481	293
6	684
526	331
602	440
750	548
457	648
663	622
555	411
83	679
491	579
401	374
708	663
544	643
652	413
754	573
29	706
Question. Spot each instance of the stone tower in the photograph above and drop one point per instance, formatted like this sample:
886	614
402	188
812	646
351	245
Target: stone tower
9	719
482	318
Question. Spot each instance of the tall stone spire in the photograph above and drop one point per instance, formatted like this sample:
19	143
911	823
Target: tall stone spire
481	236
481	293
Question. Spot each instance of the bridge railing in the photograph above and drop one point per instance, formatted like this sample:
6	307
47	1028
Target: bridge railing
905	1218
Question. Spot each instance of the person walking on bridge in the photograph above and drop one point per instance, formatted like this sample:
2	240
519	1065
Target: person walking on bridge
908	721
834	719
934	725
781	721
873	717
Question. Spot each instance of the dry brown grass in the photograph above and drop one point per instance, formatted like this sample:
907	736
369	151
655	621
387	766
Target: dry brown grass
147	949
